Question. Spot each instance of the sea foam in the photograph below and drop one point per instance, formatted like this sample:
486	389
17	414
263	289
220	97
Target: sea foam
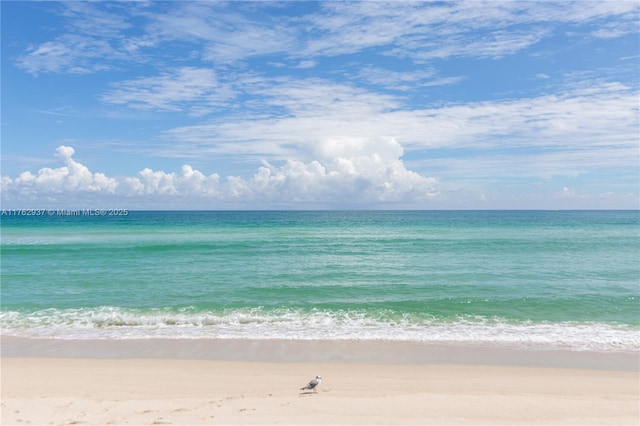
258	323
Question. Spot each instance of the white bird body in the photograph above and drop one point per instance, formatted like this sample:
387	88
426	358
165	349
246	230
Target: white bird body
313	384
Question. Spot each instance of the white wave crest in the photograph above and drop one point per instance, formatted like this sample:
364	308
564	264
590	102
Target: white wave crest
257	323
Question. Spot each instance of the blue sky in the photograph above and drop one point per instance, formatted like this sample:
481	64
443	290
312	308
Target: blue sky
313	105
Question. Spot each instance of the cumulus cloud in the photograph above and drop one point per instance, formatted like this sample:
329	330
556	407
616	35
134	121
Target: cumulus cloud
73	177
348	172
361	170
188	182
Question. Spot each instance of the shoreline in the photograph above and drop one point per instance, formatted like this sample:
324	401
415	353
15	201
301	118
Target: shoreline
326	351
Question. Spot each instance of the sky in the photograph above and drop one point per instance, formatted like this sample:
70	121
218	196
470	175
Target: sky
320	105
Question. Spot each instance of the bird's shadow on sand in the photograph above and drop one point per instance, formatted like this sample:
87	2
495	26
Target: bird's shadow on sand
308	393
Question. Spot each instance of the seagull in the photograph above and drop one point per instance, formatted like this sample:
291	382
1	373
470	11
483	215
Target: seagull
313	384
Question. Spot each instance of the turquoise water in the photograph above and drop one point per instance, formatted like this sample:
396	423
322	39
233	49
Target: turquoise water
533	279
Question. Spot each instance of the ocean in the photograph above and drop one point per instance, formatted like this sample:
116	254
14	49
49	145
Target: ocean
523	279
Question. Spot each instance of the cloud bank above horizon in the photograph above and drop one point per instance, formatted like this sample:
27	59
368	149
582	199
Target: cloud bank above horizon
209	105
361	170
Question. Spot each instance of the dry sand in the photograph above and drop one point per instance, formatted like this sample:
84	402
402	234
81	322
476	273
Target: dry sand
65	391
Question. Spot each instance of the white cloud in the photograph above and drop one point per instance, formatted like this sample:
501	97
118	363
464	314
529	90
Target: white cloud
494	44
227	35
187	183
91	40
222	34
313	112
616	29
87	18
426	30
194	89
405	80
248	40
289	119
350	173
73	177
306	64
69	53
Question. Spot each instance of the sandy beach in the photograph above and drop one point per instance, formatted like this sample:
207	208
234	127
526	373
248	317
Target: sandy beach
126	390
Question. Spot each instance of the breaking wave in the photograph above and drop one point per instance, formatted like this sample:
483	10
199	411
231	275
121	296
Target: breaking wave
315	324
